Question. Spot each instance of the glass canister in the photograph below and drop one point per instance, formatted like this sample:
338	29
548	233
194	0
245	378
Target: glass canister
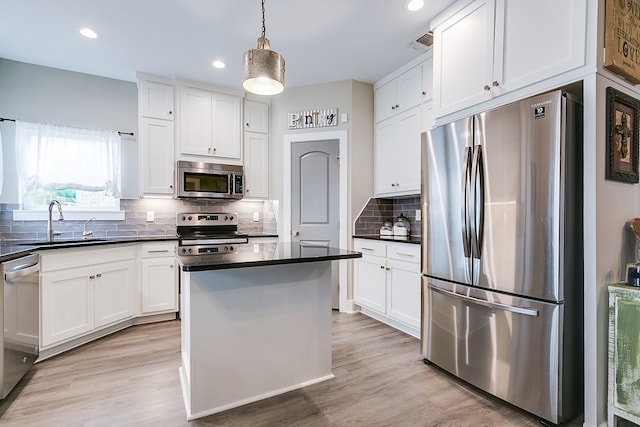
633	274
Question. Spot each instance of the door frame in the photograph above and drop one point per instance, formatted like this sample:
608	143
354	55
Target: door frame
341	136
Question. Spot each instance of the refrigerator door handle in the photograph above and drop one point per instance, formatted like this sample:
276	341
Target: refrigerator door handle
512	309
477	219
466	209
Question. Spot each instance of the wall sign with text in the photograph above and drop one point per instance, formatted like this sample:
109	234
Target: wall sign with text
313	118
622	38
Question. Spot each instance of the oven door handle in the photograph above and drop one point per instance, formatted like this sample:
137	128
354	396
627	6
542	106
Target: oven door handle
188	242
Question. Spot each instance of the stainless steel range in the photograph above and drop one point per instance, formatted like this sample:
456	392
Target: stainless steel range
201	233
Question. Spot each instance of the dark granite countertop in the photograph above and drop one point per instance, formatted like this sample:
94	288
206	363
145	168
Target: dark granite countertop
265	254
412	239
11	249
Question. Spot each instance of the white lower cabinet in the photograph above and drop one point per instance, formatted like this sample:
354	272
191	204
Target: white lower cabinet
83	290
387	283
159	278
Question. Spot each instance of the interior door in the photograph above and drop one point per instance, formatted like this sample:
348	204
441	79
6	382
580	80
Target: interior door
315	175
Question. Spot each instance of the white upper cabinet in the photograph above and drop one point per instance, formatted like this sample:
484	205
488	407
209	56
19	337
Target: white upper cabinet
256	116
397	155
156	100
398	95
492	47
156	144
463	58
427	80
256	165
210	125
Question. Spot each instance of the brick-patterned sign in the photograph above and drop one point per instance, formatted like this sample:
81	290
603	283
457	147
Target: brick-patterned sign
622	38
313	118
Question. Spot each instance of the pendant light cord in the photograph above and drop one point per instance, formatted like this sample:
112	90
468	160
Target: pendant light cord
264	30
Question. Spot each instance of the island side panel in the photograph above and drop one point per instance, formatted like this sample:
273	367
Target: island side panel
255	332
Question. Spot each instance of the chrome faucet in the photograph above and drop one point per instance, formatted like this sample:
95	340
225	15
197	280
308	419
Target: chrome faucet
50	231
85	233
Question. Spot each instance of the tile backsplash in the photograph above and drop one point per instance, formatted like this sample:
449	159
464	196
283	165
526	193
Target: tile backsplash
378	210
135	223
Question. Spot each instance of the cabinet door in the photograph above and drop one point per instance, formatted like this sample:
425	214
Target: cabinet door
226	140
403	292
385	153
159	285
114	292
408	89
156	156
256	117
195	121
67	305
156	100
463	58
408	152
525	53
385	101
370	286
256	165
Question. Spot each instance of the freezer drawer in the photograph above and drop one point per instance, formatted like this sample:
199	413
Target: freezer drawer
507	346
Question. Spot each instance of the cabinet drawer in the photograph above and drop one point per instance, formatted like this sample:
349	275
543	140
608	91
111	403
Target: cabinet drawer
158	249
370	247
409	252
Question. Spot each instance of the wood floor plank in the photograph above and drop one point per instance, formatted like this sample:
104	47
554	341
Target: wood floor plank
130	378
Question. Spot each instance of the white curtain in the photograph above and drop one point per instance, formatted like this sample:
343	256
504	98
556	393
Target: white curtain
57	157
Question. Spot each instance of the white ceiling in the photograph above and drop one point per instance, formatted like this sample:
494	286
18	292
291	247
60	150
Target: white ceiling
322	40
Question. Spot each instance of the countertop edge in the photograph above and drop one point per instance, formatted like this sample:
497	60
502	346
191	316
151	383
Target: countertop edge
259	263
415	241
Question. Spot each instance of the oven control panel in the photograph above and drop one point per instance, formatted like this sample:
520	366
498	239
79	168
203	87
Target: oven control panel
207	249
206	219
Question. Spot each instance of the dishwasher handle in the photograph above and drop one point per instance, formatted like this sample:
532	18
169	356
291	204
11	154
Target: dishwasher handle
21	271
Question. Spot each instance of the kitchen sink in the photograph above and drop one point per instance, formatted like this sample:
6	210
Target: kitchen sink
56	242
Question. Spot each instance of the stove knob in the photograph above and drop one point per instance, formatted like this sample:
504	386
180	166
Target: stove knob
184	251
226	218
231	218
184	217
231	248
190	250
190	217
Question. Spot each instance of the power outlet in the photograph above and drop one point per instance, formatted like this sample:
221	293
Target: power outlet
151	216
256	216
418	214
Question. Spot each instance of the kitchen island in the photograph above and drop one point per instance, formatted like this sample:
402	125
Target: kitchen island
255	324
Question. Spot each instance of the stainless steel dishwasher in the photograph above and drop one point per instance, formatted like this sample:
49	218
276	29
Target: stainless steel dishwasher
20	319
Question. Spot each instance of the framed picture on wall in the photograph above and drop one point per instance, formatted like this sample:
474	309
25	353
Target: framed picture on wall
623	118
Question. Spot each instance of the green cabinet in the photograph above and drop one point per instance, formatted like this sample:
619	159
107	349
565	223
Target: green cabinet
624	354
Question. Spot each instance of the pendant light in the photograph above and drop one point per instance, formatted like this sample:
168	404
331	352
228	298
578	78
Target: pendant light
263	68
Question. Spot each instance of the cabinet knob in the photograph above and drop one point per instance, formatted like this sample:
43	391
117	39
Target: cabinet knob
495	83
424	92
92	277
247	124
171	186
170	265
388	269
99	275
170	112
487	87
382	267
393	107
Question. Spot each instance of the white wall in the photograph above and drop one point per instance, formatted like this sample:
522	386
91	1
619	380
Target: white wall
48	95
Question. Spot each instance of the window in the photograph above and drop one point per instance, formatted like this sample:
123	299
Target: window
78	167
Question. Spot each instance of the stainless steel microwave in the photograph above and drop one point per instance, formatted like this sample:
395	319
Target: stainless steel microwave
210	180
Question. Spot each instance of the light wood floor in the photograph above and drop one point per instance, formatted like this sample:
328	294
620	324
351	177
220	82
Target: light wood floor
131	379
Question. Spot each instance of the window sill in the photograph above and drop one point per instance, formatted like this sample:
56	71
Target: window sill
19	215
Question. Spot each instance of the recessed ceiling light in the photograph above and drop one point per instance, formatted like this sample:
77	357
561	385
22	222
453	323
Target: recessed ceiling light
219	64
414	5
88	33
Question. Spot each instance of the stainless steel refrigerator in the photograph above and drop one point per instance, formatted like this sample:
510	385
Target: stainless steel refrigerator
502	253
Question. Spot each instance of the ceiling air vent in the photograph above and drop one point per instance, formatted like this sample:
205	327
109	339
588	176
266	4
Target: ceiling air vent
423	42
